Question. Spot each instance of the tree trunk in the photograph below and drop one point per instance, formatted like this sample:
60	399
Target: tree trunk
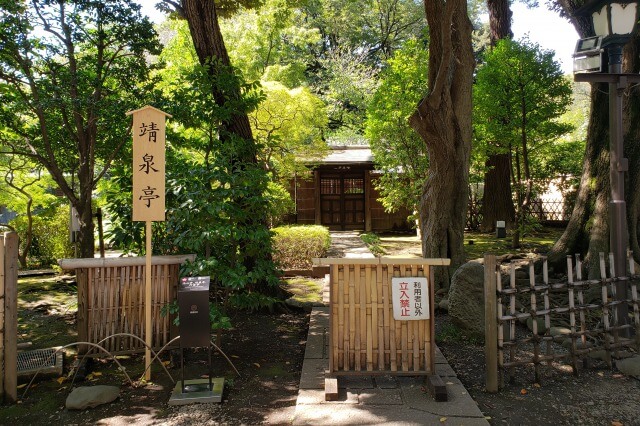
499	20
588	230
209	44
443	121
632	149
497	201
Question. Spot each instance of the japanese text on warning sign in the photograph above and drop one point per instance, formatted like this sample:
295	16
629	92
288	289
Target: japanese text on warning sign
148	164
410	298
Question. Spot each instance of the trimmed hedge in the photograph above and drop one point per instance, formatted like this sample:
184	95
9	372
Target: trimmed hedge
294	246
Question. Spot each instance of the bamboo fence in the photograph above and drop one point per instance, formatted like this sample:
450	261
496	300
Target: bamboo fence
364	337
111	293
593	325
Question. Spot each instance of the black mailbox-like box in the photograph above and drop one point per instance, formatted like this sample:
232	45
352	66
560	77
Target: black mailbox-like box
193	304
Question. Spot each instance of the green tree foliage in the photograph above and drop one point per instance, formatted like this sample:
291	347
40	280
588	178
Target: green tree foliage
69	70
26	190
398	151
288	124
356	37
50	236
520	94
271	43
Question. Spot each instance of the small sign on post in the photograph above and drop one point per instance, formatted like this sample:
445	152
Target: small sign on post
410	298
148	192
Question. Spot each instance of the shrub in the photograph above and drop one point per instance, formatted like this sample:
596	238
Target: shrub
50	237
279	204
295	246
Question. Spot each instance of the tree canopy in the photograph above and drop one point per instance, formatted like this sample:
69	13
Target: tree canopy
519	94
68	72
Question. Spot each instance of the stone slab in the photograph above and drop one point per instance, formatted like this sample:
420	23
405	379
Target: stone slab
459	402
356	382
386	382
317	397
345	414
312	376
377	396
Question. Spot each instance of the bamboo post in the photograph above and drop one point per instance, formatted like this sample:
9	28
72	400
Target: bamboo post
2	313
147	302
572	315
490	321
11	316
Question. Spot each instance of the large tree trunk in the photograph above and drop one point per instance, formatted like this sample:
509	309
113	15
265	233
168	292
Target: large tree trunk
443	121
497	201
588	230
632	148
209	44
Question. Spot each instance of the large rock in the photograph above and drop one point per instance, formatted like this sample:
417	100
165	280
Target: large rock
629	366
91	396
466	298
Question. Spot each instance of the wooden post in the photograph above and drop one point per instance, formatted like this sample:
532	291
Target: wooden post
11	316
1	316
490	323
148	329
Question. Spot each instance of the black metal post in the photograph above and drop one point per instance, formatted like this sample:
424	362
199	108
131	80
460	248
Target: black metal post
618	165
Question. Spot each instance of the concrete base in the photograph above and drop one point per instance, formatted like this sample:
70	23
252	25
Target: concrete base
197	391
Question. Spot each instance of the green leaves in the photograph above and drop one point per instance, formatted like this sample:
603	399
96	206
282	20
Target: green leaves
398	151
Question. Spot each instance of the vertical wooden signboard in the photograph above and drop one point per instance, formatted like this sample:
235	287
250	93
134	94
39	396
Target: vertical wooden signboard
148	192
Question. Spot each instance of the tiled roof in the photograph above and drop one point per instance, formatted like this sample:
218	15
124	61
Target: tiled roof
349	155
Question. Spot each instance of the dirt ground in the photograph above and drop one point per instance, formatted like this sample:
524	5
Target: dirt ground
267	350
597	395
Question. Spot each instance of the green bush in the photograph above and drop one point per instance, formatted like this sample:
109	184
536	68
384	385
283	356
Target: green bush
50	237
295	246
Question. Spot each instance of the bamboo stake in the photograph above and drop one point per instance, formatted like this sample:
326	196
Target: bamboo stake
605	308
147	302
11	315
371	316
583	320
2	315
490	323
572	315
357	317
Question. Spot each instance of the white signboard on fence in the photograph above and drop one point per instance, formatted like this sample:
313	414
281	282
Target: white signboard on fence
410	297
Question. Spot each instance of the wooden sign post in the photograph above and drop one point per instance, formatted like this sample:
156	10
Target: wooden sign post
148	193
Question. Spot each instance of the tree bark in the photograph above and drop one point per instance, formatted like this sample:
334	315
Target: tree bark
443	121
497	201
209	45
588	230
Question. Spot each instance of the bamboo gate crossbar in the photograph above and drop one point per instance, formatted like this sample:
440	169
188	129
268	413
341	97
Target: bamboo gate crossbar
364	337
592	325
111	293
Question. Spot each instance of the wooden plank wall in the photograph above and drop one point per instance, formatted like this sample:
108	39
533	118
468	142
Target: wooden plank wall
364	336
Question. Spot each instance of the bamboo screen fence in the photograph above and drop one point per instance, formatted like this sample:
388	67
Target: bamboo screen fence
364	337
586	309
111	294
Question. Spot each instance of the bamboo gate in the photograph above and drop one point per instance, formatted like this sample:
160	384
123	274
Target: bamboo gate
9	316
364	336
111	300
592	321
